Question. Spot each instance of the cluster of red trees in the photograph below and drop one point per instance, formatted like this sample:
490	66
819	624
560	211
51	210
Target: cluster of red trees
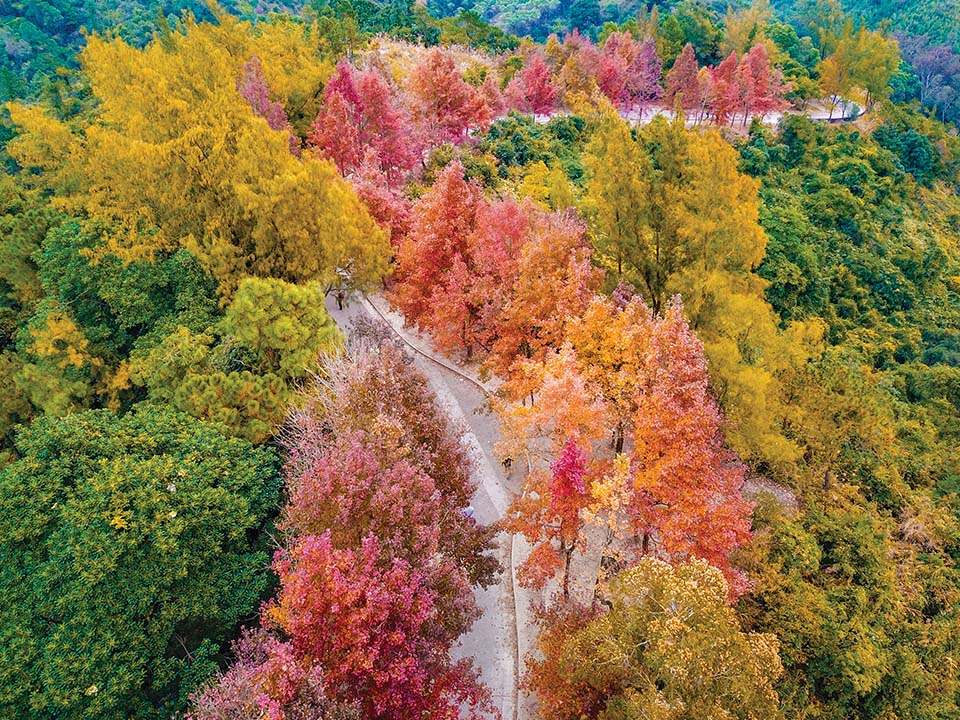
735	89
630	74
379	560
487	275
378	132
365	118
607	401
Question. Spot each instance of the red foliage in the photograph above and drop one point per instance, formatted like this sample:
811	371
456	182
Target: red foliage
645	73
385	201
443	106
685	492
492	276
567	490
727	99
490	91
748	88
549	670
612	78
629	71
268	680
443	220
457	264
548	513
372	630
335	134
531	90
683	87
763	86
376	578
359	114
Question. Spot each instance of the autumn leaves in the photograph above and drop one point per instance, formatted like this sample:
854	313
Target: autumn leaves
379	561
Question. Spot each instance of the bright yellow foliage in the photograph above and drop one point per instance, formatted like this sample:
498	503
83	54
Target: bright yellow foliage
549	186
683	220
176	157
619	205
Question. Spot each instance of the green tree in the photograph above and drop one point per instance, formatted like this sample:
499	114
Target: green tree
241	372
132	547
285	326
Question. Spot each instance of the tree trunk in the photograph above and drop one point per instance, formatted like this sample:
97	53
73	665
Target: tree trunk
568	556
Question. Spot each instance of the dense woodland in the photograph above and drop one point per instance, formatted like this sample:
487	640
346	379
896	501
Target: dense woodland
727	330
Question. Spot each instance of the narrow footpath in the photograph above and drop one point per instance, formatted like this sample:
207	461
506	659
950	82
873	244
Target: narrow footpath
497	641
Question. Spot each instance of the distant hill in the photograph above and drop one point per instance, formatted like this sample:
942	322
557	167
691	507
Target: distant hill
939	20
39	36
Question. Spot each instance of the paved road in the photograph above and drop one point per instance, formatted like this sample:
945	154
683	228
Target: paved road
492	642
843	112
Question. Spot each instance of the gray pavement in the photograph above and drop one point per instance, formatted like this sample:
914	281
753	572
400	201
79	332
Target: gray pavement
493	640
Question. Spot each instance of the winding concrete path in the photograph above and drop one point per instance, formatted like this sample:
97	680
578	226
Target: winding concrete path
497	641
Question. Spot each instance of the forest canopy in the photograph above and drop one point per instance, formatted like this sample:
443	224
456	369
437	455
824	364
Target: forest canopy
701	263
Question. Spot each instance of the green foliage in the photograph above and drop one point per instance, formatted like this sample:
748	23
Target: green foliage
25	217
937	19
861	583
517	141
865	612
914	151
285	326
241	372
79	319
852	241
132	547
539	18
467	28
117	303
396	17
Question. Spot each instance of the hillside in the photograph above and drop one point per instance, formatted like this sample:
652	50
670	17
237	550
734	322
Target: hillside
938	20
353	357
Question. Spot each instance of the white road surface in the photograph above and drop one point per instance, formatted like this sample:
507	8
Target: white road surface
492	641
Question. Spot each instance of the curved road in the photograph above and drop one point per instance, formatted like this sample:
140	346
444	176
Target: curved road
492	642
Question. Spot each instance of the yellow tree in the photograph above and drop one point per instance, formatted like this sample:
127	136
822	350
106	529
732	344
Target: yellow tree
876	60
548	185
715	210
59	369
692	228
669	647
175	157
627	243
612	344
836	80
745	28
863	61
